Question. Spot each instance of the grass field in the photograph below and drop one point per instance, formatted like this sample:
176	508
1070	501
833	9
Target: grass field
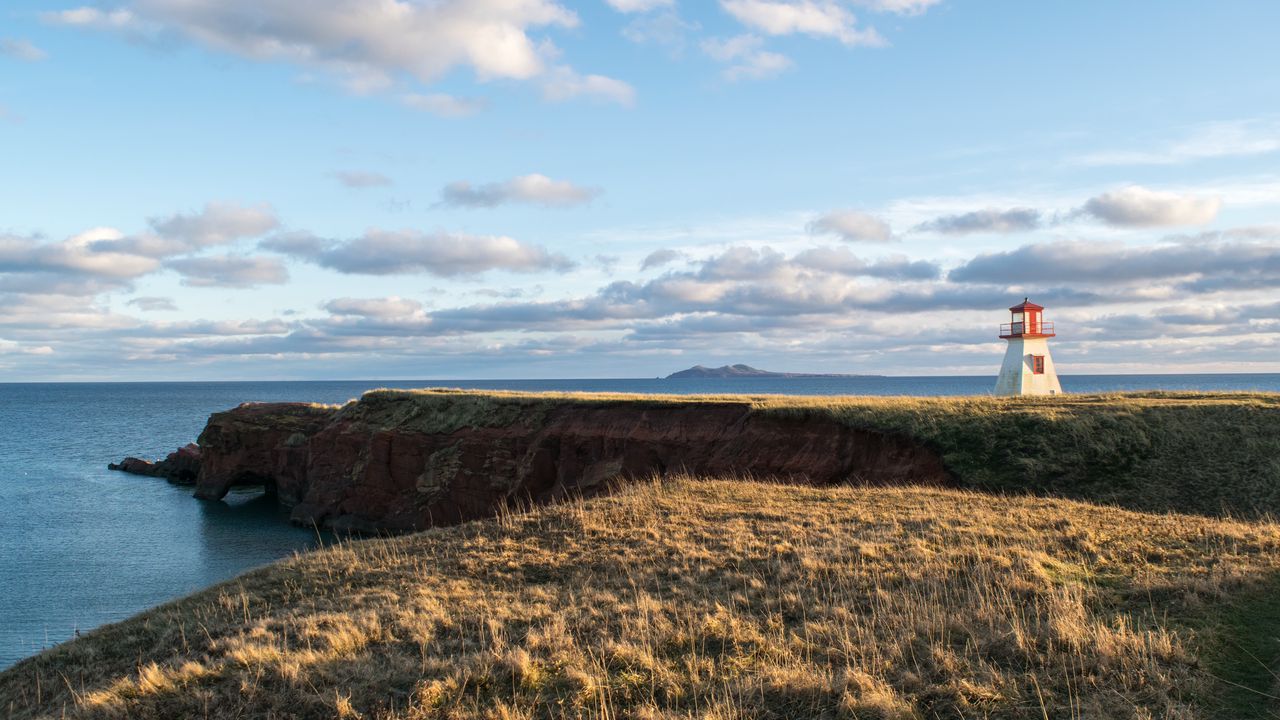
717	599
1159	597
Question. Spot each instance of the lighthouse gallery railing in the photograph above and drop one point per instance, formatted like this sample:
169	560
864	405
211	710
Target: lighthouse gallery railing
1044	327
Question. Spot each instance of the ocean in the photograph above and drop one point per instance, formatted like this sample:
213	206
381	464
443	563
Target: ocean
81	546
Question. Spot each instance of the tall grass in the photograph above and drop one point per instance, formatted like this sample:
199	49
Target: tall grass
711	599
731	598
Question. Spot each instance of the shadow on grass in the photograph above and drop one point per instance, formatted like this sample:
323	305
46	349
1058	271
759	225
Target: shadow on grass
1244	658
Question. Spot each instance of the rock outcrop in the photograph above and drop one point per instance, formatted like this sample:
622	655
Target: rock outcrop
399	461
180	467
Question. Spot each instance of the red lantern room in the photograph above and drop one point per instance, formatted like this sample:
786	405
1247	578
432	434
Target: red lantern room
1027	322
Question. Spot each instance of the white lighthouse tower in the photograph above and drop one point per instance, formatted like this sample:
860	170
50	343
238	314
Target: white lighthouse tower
1028	367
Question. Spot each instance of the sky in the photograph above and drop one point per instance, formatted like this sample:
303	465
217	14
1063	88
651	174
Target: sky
466	189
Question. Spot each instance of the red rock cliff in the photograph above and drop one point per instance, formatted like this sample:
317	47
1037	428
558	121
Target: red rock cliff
409	460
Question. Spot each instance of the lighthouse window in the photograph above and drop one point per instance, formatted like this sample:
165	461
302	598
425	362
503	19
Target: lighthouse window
1037	364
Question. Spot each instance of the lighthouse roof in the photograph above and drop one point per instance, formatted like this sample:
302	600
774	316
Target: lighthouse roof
1025	305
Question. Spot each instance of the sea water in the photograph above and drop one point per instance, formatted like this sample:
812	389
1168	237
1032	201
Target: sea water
81	546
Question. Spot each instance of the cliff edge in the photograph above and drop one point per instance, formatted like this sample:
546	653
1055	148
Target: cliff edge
400	460
397	461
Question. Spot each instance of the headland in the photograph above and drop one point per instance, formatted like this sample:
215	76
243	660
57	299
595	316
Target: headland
728	556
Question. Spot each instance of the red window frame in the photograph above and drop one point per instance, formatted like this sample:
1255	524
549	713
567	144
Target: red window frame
1037	364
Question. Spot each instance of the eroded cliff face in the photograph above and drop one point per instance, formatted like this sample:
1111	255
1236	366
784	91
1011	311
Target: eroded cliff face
407	461
259	444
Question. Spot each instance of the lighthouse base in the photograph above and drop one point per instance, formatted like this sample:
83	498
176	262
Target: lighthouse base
1018	374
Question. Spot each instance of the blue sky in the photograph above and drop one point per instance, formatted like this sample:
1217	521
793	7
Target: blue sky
227	189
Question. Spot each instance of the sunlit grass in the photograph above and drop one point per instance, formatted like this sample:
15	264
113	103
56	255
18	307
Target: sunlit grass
715	599
730	598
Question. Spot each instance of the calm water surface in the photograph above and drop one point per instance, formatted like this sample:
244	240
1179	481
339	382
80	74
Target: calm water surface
81	546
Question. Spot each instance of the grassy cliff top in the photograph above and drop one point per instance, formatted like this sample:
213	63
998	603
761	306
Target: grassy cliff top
433	395
716	599
1215	453
1064	399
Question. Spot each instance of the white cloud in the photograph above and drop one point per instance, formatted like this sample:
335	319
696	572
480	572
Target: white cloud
745	57
8	347
21	50
217	223
1136	206
534	188
388	307
444	105
899	7
78	254
230	271
564	83
94	18
853	226
385	252
659	258
989	220
210	328
371	45
841	260
634	6
59	282
1198	268
34	316
822	18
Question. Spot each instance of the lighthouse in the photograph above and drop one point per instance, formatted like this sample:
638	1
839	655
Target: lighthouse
1028	367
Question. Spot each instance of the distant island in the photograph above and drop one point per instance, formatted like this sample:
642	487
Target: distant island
746	371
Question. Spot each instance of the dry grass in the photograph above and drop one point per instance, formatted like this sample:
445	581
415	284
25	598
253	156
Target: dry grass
716	599
728	598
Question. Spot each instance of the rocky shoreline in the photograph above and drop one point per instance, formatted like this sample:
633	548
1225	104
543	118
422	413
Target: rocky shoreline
180	467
